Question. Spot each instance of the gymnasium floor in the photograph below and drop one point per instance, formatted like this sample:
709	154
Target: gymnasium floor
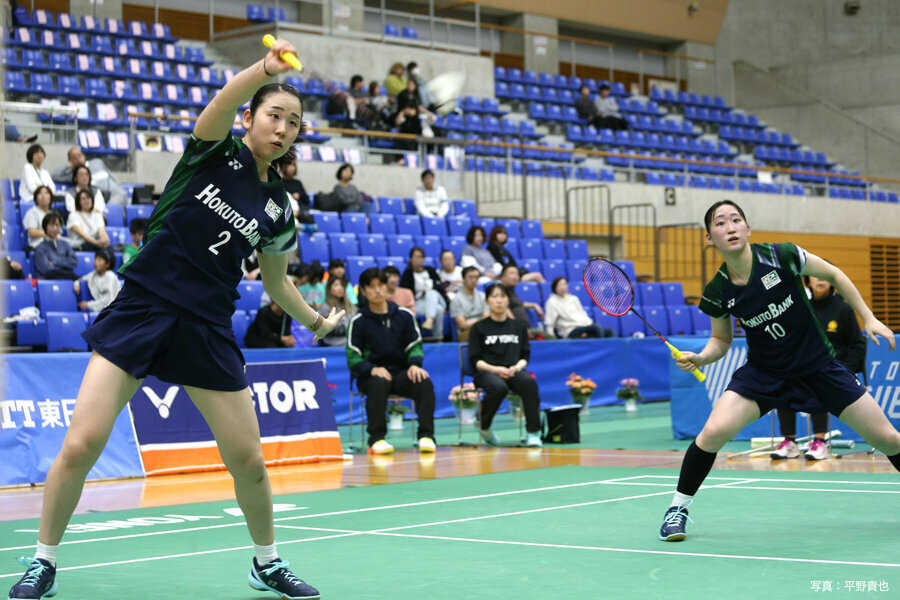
563	522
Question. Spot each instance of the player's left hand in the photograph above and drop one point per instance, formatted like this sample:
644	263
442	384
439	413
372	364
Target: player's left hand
273	61
875	328
416	374
328	324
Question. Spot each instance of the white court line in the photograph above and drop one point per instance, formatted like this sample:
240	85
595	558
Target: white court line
774	480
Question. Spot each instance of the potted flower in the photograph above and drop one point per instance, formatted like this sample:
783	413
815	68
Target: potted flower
581	390
630	393
465	399
395	410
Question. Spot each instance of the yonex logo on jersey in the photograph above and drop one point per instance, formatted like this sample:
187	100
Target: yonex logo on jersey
774	311
235	164
273	210
771	280
210	197
730	303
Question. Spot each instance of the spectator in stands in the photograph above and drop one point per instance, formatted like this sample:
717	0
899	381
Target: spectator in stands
474	255
467	307
33	172
87	228
102	282
43	196
11	269
381	104
400	296
344	197
81	180
12	133
414	73
499	352
395	81
270	329
54	257
300	203
384	353
337	297
565	316
313	291
509	277
496	241
410	111
338	268
102	178
431	200
450	274
136	228
608	115
428	291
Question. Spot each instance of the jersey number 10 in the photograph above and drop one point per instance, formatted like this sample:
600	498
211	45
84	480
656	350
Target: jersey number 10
775	330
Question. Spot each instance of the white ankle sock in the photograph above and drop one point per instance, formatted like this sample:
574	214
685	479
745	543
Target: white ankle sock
680	499
46	552
265	554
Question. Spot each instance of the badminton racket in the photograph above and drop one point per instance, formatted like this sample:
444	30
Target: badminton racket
611	289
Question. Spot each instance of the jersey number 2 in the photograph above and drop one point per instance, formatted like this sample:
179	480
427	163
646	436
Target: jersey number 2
224	236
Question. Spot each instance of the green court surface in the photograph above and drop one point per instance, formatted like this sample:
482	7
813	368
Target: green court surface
571	532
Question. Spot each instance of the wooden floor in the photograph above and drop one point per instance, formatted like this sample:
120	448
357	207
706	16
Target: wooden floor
362	470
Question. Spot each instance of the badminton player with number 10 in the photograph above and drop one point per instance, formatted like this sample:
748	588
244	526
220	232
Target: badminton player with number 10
172	318
790	362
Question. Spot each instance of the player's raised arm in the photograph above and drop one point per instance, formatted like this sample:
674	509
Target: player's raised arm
821	269
718	344
217	118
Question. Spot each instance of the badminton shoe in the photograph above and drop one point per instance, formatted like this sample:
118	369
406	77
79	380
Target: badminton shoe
278	578
38	582
674	523
533	440
489	438
381	447
426	445
786	449
817	450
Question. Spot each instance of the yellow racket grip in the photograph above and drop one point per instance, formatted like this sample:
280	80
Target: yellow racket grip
677	354
288	57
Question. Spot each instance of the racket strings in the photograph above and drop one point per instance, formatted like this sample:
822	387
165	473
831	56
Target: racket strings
609	287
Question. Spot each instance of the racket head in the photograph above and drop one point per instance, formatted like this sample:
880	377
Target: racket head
608	286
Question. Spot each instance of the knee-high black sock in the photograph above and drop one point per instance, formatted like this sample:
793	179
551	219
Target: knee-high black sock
694	469
895	460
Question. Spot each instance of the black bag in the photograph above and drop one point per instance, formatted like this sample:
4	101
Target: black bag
142	195
561	424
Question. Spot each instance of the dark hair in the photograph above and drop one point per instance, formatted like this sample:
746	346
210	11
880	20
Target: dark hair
374	88
32	150
707	218
496	286
300	270
603	87
75	173
415	249
38	190
427	172
354	80
370	274
830	287
469	269
412	65
316	271
341	168
507	267
584	85
470	235
108	256
49	218
334	263
137	225
260	96
78	196
495	231
445	251
390	270
555	281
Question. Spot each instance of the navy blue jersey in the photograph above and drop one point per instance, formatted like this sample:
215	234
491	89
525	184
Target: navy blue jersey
214	212
784	337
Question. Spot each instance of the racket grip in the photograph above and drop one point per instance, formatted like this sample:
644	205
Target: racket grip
288	57
677	354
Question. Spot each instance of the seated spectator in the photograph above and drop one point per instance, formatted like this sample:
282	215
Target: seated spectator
414	73
136	228
102	282
384	353
428	292
336	297
11	269
344	197
401	296
431	200
299	274
299	198
54	257
566	317
467	307
103	180
474	255
451	274
12	133
409	112
81	179
43	196
509	277
499	352
607	115
338	268
270	329
33	172
496	242
313	290
395	82
87	228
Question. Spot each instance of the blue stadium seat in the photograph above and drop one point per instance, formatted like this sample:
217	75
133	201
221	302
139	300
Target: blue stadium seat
400	245
15	295
459	226
395	261
314	247
577	249
455	244
239	324
343	244
554	248
356	265
531	248
700	320
390	205
528	291
551	269
511	226
251	295
409	224
373	244
465	208
628	267
680	322
138	211
354	223
575	269
604	320
531	229
64	331
56	296
328	222
530	264
658	317
673	294
577	289
431	244
383	223
85	263
648	294
434	226
629	324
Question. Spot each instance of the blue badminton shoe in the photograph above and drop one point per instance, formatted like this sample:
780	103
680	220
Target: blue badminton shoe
674	523
276	577
38	582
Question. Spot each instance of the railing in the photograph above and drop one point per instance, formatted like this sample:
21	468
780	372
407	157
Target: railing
67	130
681	253
635	224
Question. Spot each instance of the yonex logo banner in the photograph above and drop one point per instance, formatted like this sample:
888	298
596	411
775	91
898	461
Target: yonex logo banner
293	407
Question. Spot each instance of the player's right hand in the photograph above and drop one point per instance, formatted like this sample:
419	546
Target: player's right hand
688	361
273	62
874	328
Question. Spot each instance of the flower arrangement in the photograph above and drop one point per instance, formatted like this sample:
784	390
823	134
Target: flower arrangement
630	393
580	388
464	396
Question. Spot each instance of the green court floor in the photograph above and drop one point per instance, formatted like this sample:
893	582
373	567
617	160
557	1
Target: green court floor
562	532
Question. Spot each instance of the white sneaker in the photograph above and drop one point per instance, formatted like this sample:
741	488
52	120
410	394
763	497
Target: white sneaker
489	437
381	447
786	449
426	445
533	440
817	450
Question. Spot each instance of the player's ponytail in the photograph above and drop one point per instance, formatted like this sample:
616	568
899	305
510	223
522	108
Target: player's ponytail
260	96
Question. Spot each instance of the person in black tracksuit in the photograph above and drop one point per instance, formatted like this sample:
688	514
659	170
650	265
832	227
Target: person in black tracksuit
384	354
499	352
271	328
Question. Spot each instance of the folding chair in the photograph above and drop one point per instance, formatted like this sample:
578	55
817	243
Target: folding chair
466	370
362	417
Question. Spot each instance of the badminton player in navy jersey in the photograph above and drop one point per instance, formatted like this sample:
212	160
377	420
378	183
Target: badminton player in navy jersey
790	362
172	318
